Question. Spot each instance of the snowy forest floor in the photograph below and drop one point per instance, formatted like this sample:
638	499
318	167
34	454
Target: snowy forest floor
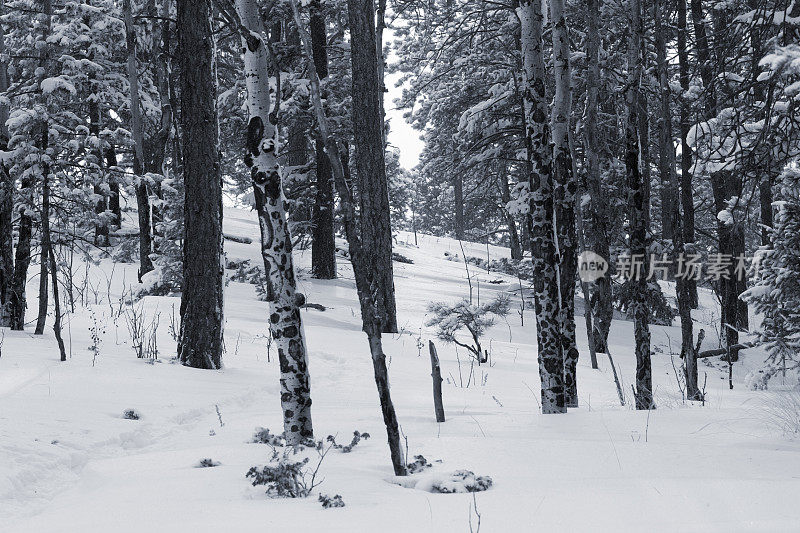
69	461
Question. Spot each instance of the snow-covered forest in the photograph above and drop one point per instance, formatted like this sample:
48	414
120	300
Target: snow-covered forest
340	265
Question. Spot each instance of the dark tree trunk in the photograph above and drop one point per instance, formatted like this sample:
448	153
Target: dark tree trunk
669	180
200	343
436	375
725	185
22	260
101	224
323	242
458	200
113	184
601	301
43	245
142	194
686	195
376	229
323	246
371	321
7	185
513	234
638	204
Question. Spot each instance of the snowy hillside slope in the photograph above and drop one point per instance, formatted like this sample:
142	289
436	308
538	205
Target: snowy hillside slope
69	461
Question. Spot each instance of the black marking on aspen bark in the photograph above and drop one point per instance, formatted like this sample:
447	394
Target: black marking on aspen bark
255	131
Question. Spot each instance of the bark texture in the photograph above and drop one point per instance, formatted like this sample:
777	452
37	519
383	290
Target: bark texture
542	224
285	324
323	243
638	204
373	190
200	343
565	190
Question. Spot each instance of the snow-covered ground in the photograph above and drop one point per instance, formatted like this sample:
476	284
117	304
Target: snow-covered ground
69	461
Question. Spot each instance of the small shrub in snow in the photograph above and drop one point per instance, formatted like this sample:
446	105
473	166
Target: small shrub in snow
419	464
462	481
207	463
347	448
130	414
450	319
400	258
328	502
263	436
286	476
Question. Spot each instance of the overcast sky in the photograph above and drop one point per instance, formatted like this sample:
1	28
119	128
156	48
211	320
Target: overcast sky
401	134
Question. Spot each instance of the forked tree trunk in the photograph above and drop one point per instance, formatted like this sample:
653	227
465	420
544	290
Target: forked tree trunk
637	205
373	191
666	169
566	188
371	321
140	185
202	299
602	301
542	225
276	242
323	242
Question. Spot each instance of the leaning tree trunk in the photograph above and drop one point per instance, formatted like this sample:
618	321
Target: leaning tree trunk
666	169
542	224
140	184
638	203
566	188
276	242
373	190
323	241
201	336
602	301
371	321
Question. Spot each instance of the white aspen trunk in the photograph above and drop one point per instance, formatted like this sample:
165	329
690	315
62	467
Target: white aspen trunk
565	192
276	243
542	223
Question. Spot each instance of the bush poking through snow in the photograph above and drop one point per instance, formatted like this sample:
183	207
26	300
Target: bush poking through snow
328	502
207	463
462	481
347	448
130	414
263	436
288	477
419	464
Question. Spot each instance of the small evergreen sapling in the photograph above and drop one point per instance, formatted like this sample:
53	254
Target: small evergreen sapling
450	319
776	293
